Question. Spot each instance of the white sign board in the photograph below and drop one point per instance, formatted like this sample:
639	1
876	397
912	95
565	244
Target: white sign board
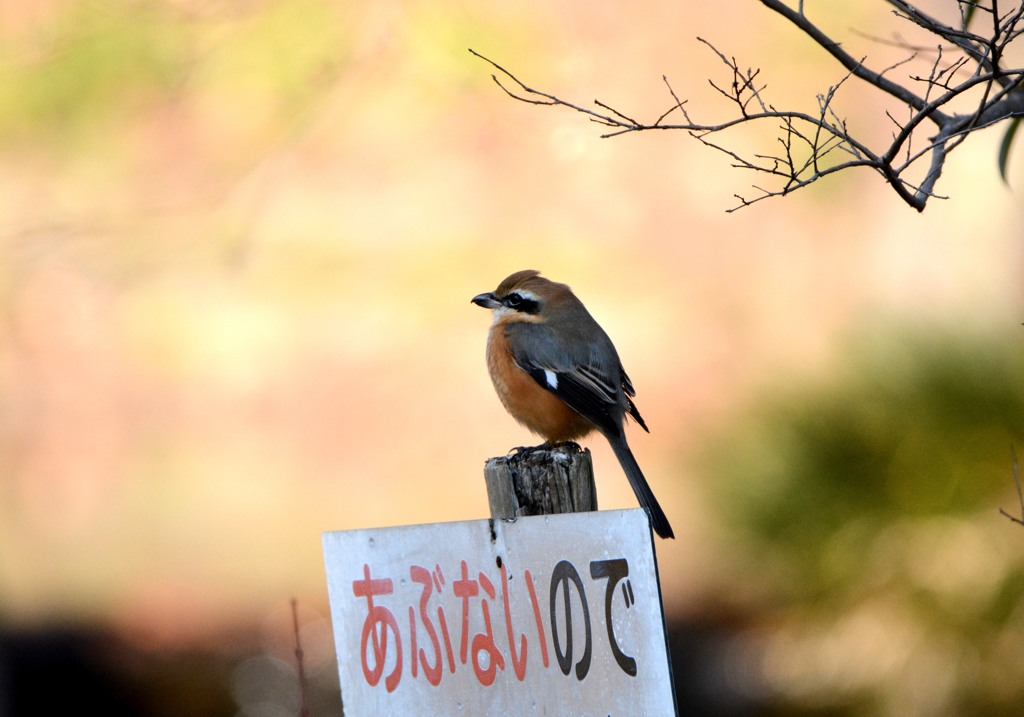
546	615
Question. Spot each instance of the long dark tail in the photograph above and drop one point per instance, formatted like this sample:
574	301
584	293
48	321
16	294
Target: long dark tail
643	491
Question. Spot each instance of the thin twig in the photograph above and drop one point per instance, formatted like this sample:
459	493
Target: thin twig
846	60
805	140
1020	491
303	701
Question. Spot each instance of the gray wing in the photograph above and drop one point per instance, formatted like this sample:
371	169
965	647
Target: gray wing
588	377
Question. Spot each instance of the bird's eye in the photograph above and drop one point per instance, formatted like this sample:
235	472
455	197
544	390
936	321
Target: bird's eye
521	304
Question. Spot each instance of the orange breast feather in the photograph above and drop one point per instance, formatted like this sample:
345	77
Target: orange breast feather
529	403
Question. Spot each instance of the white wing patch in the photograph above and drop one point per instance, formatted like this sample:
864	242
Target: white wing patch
552	378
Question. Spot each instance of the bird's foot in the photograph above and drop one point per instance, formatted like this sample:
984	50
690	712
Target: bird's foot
572	446
524	450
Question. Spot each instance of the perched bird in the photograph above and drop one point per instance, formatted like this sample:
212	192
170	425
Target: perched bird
557	372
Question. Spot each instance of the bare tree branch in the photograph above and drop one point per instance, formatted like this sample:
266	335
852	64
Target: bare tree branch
968	42
856	67
807	142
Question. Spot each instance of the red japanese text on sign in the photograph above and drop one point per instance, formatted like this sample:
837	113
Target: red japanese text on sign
429	618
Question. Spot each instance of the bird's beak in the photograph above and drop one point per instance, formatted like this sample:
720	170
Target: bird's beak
488	300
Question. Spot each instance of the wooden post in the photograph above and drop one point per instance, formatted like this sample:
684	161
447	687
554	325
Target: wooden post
541	481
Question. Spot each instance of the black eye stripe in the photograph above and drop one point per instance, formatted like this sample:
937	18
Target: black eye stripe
523	304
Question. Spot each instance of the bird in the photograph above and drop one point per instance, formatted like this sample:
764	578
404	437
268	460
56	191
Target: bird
558	374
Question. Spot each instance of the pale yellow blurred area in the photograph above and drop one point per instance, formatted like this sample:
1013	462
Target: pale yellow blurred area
238	243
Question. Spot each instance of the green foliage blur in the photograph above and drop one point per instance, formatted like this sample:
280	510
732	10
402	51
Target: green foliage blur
96	63
863	513
89	64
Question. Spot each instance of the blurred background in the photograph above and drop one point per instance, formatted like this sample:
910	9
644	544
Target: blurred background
237	246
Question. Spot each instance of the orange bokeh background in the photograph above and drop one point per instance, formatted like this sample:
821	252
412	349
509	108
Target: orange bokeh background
238	243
